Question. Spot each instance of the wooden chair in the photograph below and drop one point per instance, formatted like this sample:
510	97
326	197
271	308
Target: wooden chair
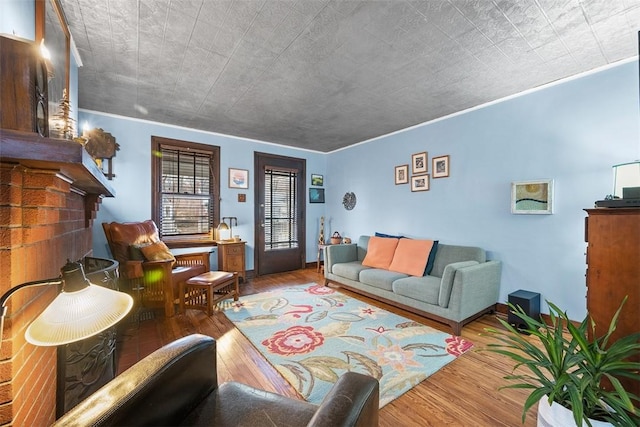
157	281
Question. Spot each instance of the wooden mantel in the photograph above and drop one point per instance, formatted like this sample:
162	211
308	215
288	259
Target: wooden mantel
66	157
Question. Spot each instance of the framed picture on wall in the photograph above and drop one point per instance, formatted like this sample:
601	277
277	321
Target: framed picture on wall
440	167
238	178
420	183
402	174
317	180
316	195
532	197
419	163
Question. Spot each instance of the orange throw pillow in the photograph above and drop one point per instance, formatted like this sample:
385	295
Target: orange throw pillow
157	251
411	256
380	252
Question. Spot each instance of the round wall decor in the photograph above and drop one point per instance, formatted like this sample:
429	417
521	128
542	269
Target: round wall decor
349	201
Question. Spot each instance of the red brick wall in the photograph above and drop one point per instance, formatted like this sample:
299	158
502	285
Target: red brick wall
42	224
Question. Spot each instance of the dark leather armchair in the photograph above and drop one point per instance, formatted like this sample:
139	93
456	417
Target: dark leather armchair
158	280
178	385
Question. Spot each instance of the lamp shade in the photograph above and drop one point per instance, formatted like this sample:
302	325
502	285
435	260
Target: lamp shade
78	314
625	175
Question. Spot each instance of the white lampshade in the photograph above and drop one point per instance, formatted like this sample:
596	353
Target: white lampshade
73	316
625	175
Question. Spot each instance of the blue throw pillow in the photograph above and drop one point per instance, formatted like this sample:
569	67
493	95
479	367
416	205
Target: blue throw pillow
432	257
388	236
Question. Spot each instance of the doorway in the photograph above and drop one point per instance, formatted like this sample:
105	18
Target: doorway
279	213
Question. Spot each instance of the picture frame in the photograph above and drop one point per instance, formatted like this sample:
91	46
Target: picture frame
420	182
316	195
532	197
440	166
419	163
238	178
317	180
402	174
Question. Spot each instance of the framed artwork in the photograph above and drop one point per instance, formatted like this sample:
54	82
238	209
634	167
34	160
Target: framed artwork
440	167
316	195
402	174
316	180
532	197
419	163
238	178
420	183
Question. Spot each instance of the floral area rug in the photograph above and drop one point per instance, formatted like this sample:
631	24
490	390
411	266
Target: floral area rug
312	334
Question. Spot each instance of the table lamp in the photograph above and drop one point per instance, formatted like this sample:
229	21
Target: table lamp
223	226
80	310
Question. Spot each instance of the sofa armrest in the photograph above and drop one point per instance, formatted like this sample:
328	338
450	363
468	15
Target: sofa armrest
334	254
161	389
446	283
475	288
353	401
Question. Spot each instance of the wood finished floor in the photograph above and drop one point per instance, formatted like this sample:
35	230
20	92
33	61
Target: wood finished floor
463	393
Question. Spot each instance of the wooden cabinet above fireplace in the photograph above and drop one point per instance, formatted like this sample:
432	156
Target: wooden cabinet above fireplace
66	157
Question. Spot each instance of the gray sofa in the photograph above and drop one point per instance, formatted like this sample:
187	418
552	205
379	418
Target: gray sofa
461	287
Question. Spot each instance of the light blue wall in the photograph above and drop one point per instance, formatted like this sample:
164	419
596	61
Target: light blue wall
132	184
17	17
572	133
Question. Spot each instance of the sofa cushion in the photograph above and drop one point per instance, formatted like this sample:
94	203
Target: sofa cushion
135	254
423	288
157	251
379	278
388	235
448	254
411	256
432	257
380	252
348	270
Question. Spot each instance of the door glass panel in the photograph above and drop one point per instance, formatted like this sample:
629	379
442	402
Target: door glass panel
281	210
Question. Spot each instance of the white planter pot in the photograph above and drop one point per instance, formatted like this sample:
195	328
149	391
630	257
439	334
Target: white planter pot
556	415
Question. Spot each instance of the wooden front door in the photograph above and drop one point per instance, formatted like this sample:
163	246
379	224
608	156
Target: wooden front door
280	213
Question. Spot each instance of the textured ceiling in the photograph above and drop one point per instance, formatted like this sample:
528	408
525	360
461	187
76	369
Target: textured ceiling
325	74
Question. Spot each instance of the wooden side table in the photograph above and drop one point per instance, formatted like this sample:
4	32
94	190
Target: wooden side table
320	250
231	258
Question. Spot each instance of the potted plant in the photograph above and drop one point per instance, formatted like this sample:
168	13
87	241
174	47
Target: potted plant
564	366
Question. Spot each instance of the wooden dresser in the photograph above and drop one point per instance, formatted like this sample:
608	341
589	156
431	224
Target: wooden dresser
613	271
231	258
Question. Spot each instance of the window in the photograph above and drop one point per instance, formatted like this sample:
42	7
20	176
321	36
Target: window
185	188
281	210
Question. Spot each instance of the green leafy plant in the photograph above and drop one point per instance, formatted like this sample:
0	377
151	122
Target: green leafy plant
571	369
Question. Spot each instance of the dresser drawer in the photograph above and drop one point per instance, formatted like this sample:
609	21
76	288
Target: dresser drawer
234	250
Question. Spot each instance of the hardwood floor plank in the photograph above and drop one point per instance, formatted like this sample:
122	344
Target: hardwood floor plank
463	393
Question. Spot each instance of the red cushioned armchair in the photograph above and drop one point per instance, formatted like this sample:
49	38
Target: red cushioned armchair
157	279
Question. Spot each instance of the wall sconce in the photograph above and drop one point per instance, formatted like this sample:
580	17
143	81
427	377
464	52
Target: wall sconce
223	226
102	146
80	310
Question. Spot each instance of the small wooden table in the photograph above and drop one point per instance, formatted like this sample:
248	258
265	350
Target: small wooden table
320	250
206	290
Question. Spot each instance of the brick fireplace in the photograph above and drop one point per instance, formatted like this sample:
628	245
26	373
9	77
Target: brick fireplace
48	198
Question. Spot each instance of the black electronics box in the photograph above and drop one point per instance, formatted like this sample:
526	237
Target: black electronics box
530	304
618	203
